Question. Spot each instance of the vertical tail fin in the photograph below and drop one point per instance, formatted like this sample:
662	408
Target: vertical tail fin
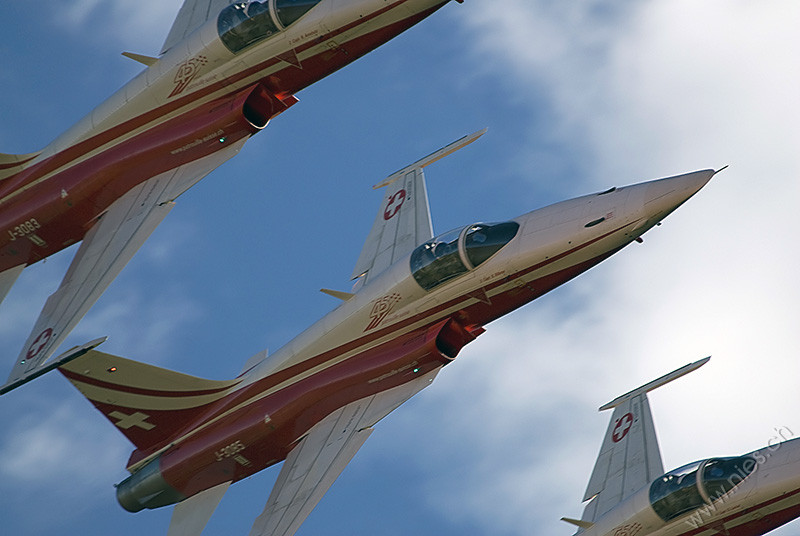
404	220
629	456
148	404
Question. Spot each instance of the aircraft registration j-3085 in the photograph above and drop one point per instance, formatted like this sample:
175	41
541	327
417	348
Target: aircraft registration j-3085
225	70
418	300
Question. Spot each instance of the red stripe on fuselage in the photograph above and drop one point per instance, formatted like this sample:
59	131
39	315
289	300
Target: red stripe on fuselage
86	189
25	193
481	314
192	466
293	410
501	304
290	81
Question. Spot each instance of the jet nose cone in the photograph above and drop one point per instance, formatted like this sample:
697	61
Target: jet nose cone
665	195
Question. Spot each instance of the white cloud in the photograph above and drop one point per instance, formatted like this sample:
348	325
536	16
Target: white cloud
56	453
143	322
645	91
54	449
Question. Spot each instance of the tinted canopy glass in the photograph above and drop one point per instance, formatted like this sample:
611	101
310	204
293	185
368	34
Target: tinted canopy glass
694	485
484	240
437	260
720	475
245	23
458	251
676	492
290	10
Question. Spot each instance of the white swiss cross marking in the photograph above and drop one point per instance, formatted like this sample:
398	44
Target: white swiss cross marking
38	345
622	427
128	421
393	205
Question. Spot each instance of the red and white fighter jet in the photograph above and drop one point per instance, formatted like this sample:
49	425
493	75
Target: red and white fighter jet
418	300
630	494
225	70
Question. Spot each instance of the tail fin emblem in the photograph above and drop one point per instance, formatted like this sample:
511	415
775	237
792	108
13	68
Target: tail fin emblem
622	427
399	198
38	345
129	421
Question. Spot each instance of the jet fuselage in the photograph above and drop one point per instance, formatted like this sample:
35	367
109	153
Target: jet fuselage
747	495
400	326
205	95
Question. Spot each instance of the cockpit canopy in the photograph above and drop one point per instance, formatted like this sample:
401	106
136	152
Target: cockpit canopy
458	251
244	23
681	491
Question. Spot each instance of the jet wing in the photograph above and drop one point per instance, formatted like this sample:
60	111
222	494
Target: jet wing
404	219
322	454
8	278
190	517
105	250
629	457
192	15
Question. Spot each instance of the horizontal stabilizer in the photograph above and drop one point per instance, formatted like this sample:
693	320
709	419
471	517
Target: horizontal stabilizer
63	359
11	164
663	380
148	404
105	250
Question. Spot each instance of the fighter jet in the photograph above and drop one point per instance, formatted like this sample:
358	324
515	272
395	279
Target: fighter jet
224	71
417	301
630	494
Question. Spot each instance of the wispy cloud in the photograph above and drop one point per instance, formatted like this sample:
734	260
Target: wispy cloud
646	90
50	446
51	449
54	442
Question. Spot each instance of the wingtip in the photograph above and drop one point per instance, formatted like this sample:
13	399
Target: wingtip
578	522
141	58
71	354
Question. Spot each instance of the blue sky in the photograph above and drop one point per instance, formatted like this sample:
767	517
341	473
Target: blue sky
578	97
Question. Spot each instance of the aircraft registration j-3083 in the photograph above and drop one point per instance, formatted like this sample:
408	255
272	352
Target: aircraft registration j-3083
418	300
225	70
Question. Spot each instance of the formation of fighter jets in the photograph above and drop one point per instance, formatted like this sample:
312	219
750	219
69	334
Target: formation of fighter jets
225	70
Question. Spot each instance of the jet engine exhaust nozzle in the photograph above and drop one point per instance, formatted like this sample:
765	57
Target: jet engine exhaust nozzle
146	488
